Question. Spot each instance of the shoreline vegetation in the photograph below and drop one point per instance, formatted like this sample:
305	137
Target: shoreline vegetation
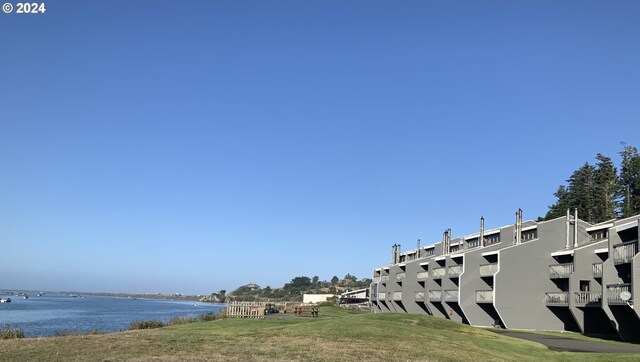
336	335
8	332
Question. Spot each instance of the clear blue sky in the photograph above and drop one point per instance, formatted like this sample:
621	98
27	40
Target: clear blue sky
193	146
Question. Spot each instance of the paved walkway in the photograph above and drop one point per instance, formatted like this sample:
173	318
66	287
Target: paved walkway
559	343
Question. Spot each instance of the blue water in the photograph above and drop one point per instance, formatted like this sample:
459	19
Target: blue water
52	314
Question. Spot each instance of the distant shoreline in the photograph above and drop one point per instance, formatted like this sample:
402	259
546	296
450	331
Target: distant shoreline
187	298
176	297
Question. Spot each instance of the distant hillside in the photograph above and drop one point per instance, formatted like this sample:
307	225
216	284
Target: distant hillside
298	286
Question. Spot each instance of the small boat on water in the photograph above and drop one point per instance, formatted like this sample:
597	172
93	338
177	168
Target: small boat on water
8	300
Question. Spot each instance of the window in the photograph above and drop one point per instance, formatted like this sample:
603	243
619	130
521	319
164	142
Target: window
598	235
529	235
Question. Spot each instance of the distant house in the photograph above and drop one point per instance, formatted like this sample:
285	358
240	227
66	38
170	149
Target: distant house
355	296
316	298
252	286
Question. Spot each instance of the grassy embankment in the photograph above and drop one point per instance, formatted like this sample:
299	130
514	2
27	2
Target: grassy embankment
335	336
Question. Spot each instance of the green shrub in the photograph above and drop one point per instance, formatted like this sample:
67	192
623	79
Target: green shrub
9	333
210	316
146	325
182	320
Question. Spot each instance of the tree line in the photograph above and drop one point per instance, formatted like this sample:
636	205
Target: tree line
293	290
601	191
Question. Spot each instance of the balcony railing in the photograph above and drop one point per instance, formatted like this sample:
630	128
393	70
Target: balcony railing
588	298
560	270
451	295
418	295
455	271
382	296
597	270
435	295
624	253
438	273
488	270
557	298
484	296
613	293
376	279
423	275
400	276
397	295
384	278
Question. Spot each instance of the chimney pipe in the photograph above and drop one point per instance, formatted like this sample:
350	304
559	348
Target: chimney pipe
482	231
568	245
575	228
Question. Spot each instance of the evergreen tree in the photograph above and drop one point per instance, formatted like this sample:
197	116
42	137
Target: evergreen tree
629	182
562	204
605	184
578	194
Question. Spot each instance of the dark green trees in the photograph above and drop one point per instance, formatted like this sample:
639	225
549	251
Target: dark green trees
629	182
598	192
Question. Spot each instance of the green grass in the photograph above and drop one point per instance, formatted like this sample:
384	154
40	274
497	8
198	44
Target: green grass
336	336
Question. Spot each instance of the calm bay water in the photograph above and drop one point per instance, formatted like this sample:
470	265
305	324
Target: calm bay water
50	314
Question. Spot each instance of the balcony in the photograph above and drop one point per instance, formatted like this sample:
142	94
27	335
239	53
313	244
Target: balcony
557	299
588	299
418	295
455	271
557	271
451	295
613	293
422	275
435	295
376	279
400	276
382	296
624	253
438	273
384	278
484	296
488	270
597	270
397	295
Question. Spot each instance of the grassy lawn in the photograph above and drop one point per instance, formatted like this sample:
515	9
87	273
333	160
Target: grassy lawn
335	336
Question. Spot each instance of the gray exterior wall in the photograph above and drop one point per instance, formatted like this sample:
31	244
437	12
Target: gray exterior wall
545	282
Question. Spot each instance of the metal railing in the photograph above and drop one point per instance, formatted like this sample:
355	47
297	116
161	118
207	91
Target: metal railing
418	295
451	295
558	298
624	253
400	276
597	270
438	273
614	290
397	295
560	270
484	296
435	295
422	275
488	270
584	298
455	271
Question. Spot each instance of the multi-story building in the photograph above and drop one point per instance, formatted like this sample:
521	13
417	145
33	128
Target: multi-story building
563	274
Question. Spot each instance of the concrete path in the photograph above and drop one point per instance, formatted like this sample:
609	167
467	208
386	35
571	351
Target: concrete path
559	343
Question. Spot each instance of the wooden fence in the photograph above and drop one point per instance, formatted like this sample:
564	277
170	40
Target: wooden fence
245	309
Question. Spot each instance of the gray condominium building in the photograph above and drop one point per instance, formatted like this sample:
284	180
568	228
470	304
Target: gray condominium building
560	275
